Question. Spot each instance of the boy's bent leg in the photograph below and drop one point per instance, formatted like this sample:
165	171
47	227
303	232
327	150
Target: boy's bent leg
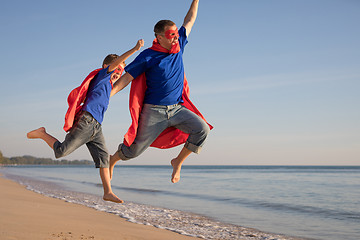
42	134
73	140
80	134
108	194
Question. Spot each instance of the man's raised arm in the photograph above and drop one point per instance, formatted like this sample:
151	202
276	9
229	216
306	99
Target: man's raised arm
190	17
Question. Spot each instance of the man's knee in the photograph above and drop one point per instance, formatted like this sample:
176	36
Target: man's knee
203	130
127	153
206	129
197	138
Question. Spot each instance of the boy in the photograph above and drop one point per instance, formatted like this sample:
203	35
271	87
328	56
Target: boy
84	125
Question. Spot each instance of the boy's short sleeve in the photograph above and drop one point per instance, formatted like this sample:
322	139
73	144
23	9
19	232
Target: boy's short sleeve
138	66
103	73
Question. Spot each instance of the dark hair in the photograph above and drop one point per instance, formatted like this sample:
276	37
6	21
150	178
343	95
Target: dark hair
160	26
109	59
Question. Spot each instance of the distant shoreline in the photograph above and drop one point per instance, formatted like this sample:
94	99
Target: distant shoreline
31	160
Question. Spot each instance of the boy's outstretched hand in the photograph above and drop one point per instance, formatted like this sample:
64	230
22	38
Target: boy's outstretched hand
139	44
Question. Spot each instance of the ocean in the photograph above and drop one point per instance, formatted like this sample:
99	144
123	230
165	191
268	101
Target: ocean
216	202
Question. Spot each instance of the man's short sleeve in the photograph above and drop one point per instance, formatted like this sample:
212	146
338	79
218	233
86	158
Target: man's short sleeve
183	38
138	66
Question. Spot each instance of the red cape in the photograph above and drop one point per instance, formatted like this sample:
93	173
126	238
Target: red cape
76	98
170	137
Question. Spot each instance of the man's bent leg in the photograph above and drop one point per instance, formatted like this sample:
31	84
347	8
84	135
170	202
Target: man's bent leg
177	162
113	160
197	128
153	120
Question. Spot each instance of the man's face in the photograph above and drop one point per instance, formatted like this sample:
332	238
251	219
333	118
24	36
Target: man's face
169	37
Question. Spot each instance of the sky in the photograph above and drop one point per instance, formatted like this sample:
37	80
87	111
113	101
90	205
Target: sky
278	79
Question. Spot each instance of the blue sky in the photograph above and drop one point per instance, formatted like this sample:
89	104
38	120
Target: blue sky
279	80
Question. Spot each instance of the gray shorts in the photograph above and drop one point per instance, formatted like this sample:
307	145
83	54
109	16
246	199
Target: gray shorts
87	131
154	119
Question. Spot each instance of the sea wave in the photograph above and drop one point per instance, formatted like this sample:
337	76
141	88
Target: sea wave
181	222
284	207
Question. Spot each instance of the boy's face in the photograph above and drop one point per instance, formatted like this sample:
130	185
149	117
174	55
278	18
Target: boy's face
169	38
116	74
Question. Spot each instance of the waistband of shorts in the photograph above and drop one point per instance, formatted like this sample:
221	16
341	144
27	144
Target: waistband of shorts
162	106
86	114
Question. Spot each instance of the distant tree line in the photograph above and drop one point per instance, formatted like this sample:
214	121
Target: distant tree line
30	160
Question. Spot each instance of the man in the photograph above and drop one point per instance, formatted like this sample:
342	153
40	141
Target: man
162	113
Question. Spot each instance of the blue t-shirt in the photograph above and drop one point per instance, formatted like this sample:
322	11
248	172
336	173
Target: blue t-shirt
98	95
164	73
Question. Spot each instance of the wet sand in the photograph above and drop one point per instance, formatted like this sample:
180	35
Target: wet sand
26	215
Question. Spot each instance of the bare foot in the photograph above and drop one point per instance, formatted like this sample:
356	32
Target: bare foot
37	133
112	198
113	159
175	177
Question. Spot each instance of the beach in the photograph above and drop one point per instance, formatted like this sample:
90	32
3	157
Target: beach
29	215
210	202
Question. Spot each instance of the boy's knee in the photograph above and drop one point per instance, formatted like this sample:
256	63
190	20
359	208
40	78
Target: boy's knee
60	154
59	150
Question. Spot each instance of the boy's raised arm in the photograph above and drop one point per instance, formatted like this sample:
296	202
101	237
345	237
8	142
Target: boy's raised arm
190	17
126	55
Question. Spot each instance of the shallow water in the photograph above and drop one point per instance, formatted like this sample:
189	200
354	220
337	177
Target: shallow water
217	202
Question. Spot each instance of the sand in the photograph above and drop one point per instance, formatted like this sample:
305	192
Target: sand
28	215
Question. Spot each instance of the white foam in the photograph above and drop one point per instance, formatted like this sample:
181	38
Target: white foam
174	220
